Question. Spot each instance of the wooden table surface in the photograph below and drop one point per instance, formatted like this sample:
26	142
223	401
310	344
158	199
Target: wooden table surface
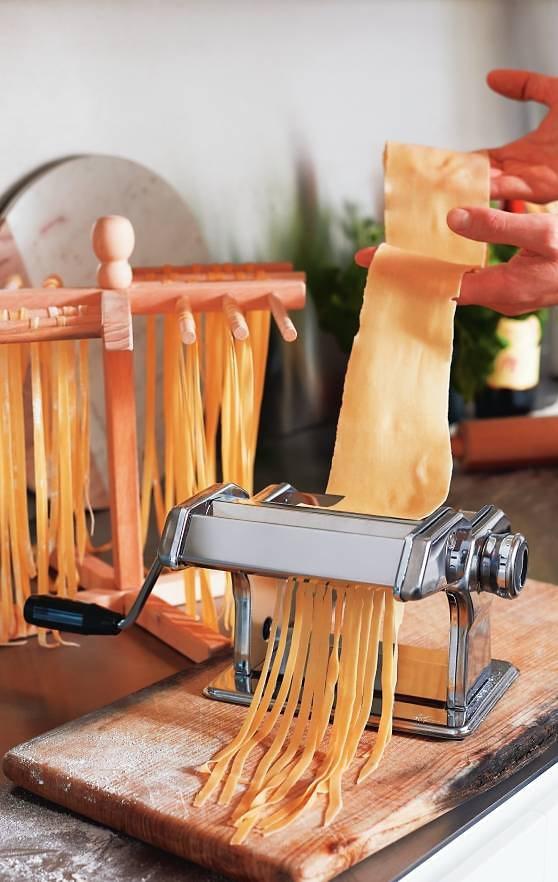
41	689
133	765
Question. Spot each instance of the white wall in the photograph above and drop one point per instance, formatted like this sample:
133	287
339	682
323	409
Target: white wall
536	32
219	95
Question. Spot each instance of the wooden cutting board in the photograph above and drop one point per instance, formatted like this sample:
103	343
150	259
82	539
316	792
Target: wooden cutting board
132	765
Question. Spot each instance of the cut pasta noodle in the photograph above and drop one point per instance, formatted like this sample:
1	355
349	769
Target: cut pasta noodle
60	465
392	458
17	557
213	384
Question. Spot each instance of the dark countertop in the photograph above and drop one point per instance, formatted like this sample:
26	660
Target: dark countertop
41	689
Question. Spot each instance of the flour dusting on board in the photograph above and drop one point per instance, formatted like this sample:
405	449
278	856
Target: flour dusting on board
42	842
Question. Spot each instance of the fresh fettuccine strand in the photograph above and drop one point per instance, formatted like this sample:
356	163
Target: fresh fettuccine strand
59	407
10	560
263	695
214	337
239	415
82	473
41	485
151	487
41	480
259	323
67	576
213	384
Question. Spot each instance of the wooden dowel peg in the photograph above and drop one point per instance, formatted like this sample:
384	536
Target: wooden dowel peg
284	324
53	281
186	321
64	311
34	322
84	330
235	318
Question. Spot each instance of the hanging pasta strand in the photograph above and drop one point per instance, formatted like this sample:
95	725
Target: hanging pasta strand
67	577
11	564
259	323
41	479
170	358
17	562
230	412
238	433
82	502
22	554
151	486
201	463
65	388
42	487
263	694
17	363
59	431
214	336
292	757
215	382
309	685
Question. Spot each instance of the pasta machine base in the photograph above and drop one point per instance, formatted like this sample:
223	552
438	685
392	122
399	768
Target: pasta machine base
410	715
132	765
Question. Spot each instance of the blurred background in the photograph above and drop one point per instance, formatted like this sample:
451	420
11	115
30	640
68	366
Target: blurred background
221	98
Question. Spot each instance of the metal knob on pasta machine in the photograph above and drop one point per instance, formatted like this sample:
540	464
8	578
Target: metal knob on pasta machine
281	533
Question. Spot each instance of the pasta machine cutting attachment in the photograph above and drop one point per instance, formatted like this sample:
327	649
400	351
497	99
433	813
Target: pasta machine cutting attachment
281	533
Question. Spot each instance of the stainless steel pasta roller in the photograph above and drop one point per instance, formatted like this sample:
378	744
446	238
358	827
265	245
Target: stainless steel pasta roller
282	533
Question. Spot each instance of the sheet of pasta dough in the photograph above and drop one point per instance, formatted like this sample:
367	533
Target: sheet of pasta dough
421	185
392	453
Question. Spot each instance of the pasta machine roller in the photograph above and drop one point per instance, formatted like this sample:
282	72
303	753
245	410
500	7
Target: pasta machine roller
281	533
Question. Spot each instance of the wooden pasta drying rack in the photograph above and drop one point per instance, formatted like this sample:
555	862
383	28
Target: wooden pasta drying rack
105	312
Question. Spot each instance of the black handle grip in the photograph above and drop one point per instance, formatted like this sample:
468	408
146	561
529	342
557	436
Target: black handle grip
61	614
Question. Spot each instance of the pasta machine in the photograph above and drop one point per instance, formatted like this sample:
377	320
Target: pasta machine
281	533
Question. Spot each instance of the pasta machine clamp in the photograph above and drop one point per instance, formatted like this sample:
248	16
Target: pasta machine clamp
282	533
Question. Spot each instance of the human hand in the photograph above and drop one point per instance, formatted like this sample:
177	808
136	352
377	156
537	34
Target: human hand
527	168
528	281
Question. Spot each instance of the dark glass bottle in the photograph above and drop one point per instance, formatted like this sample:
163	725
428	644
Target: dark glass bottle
505	402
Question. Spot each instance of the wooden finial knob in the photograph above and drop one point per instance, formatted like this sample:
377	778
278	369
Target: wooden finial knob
113	242
53	281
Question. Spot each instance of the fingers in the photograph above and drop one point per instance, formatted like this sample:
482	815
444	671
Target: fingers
486	287
504	186
489	287
364	257
522	285
524	85
537	233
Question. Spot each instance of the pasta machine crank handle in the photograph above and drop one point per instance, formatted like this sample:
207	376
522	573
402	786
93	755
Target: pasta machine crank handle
77	617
